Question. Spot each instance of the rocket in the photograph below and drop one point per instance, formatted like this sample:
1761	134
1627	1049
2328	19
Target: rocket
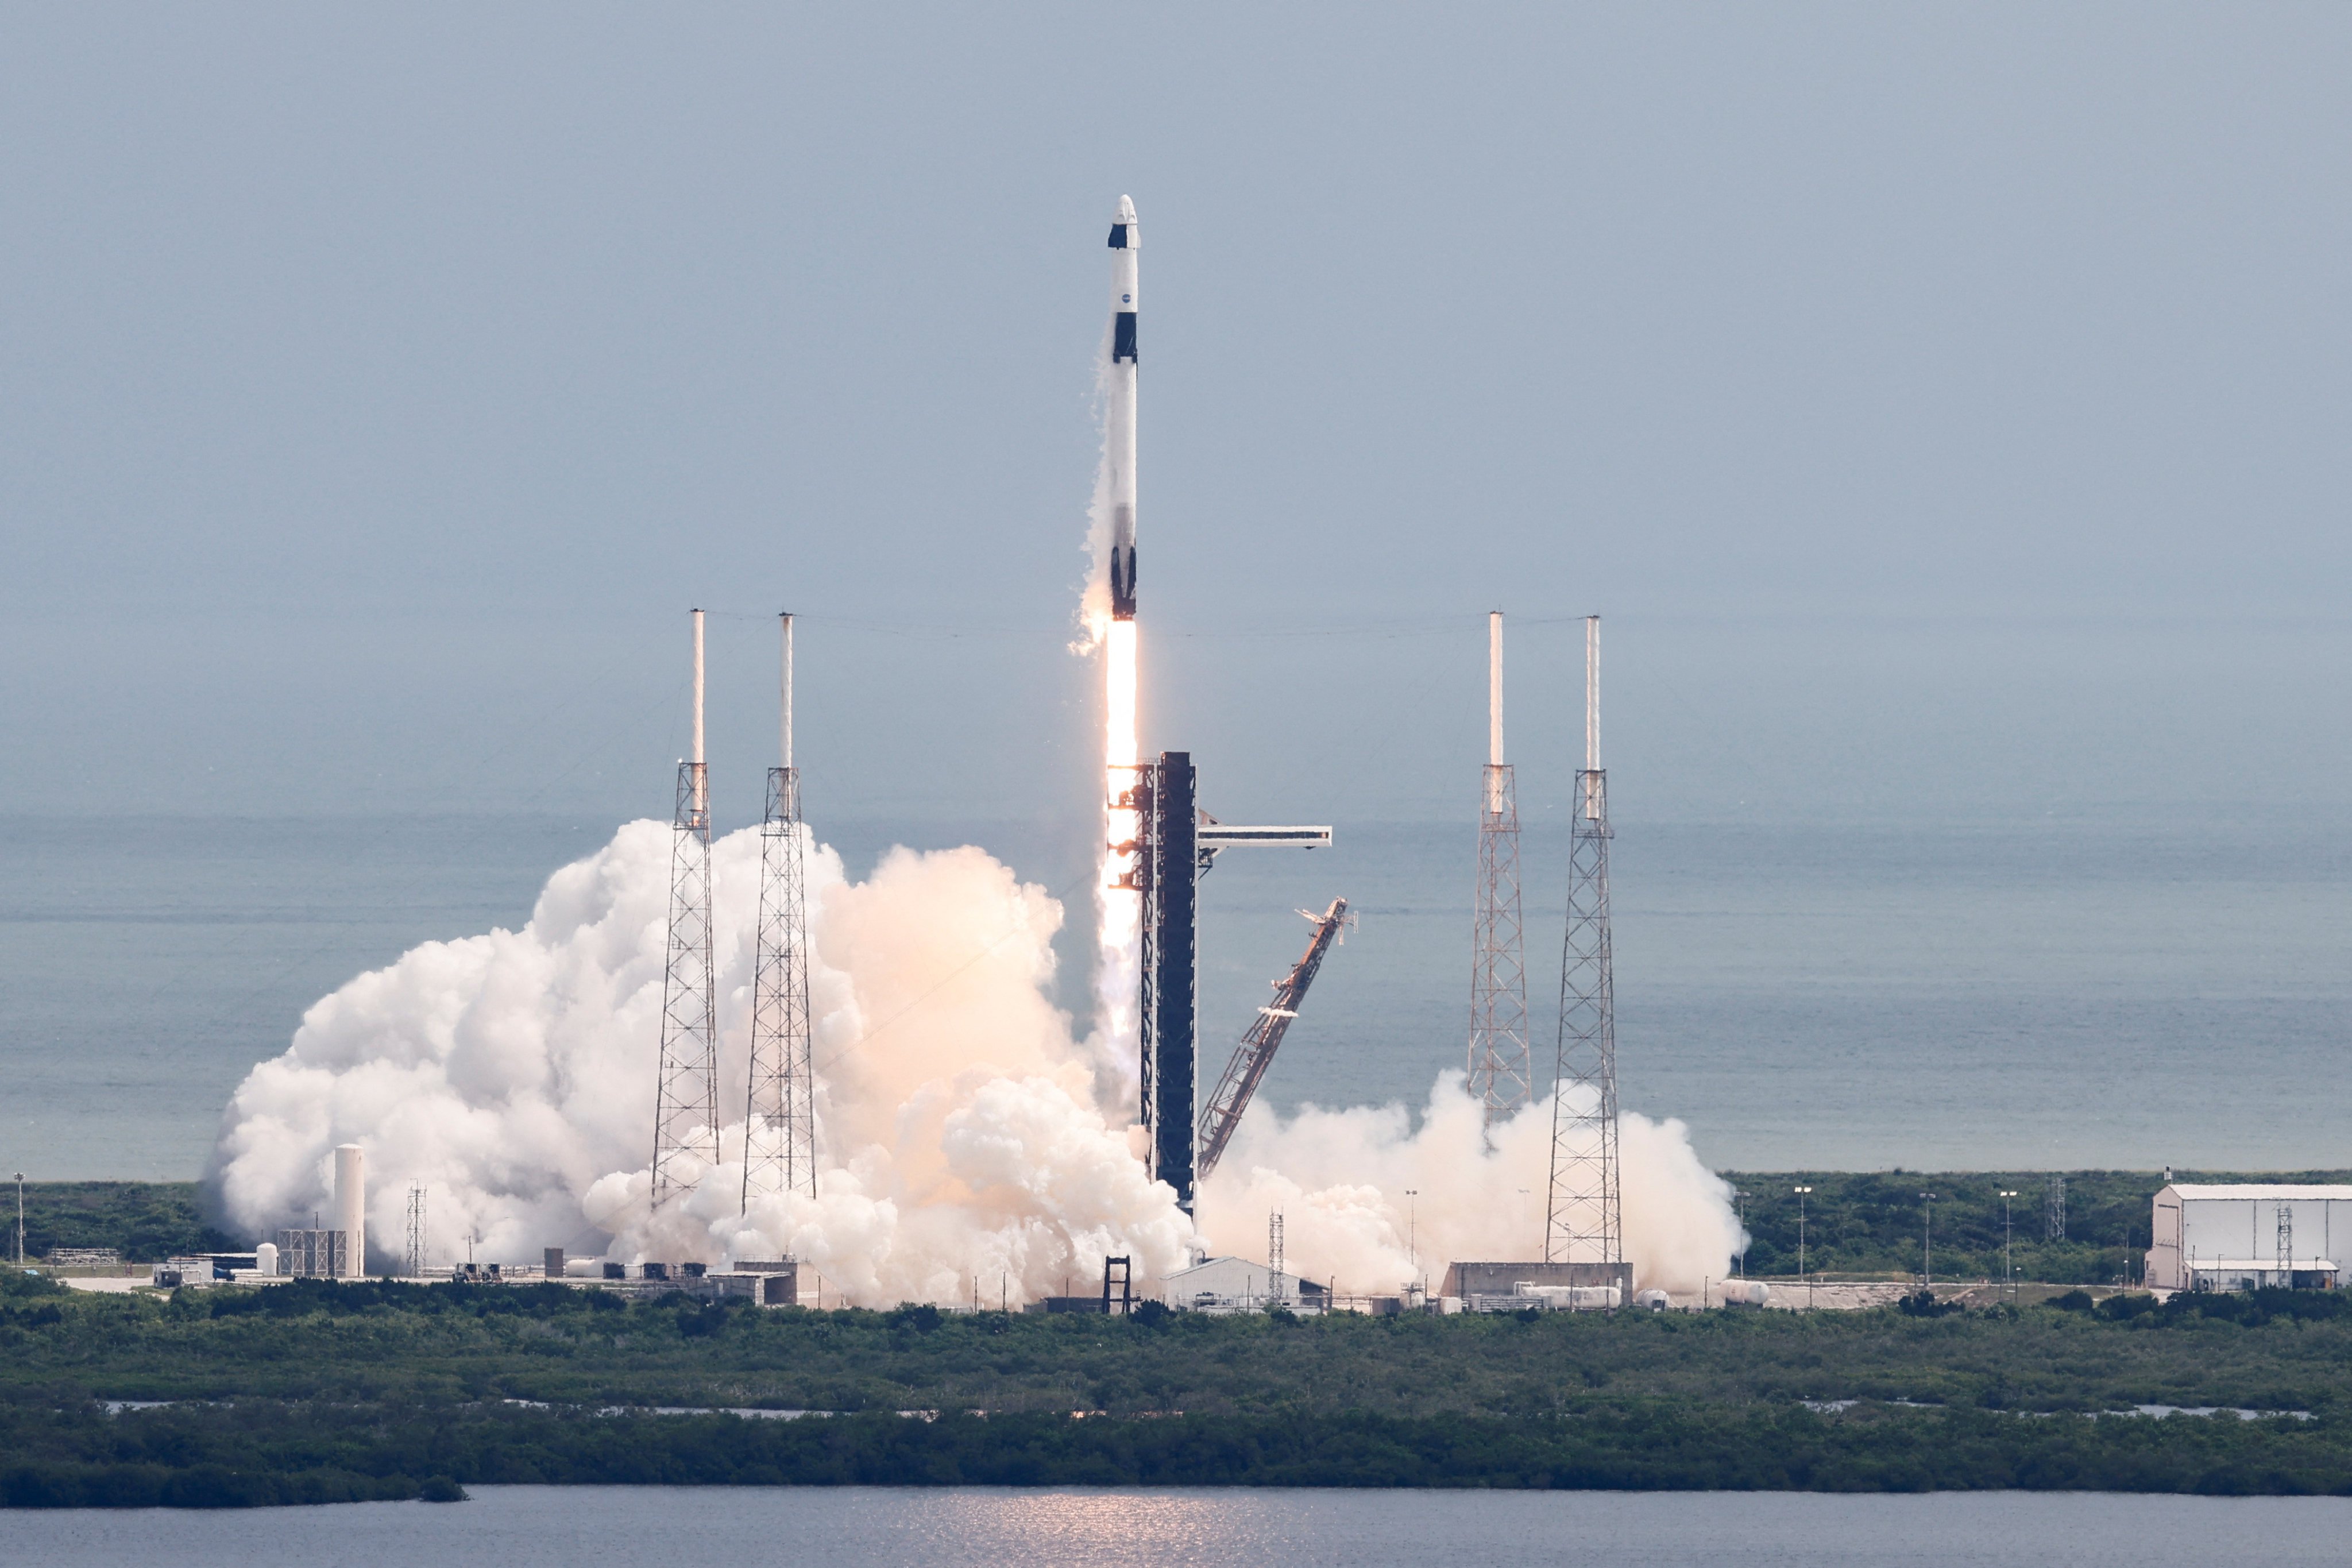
1125	239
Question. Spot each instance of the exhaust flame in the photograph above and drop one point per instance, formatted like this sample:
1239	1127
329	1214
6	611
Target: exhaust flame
1117	967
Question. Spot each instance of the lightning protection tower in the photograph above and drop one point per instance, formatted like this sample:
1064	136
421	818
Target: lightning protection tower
685	1099
1583	1223
779	1126
1500	1073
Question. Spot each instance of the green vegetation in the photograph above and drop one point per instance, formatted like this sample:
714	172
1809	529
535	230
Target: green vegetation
231	1456
319	1392
315	1390
455	1343
1870	1223
144	1221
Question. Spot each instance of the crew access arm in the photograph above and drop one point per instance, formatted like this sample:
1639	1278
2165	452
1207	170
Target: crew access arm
1222	1112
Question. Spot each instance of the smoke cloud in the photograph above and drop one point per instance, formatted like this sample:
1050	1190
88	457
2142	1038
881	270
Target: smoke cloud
961	1146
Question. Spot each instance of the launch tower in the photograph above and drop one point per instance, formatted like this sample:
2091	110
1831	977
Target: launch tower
1177	843
1500	1072
780	1127
685	1097
1583	1224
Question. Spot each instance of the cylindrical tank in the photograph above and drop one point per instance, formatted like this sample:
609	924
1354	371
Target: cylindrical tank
264	1258
350	1207
1655	1301
1744	1293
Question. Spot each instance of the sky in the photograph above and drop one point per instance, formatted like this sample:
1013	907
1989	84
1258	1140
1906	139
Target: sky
1941	404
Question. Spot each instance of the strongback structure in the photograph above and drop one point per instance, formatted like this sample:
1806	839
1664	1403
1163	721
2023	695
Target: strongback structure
686	1096
1231	1097
1500	1073
1167	863
779	1126
1177	842
1583	1221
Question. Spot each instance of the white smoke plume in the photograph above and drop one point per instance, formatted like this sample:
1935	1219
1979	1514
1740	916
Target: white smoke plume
1339	1178
962	1148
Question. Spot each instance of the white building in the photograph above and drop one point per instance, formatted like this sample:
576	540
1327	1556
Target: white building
2242	1235
1237	1284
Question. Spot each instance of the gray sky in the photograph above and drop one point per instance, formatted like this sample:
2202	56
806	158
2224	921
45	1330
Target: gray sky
1944	403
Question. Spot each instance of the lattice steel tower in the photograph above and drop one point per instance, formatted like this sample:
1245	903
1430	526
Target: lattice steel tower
413	1257
1583	1221
1500	1073
780	1125
685	1097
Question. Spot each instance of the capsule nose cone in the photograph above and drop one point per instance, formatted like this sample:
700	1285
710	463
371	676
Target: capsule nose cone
1126	210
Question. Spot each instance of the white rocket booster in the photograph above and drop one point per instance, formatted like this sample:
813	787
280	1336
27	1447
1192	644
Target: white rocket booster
1125	239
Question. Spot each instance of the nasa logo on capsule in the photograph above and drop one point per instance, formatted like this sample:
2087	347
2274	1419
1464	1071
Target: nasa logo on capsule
1126	299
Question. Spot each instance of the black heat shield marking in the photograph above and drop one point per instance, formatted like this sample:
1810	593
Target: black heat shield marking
1118	237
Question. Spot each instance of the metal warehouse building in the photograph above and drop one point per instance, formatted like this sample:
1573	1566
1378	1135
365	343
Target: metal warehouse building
2245	1234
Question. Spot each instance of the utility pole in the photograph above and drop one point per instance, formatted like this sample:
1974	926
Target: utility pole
1927	1240
2007	1270
20	1219
1801	1193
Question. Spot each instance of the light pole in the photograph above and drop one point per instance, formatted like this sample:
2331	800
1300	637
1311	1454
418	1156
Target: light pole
1927	1241
1413	1232
1801	1192
20	1219
2009	1273
1741	1199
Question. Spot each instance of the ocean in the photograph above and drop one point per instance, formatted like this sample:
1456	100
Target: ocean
2127	989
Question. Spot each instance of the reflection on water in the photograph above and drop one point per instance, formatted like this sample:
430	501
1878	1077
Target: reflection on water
578	1527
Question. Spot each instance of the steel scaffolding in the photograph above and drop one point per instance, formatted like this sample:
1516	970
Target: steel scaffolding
1501	1074
686	1095
1232	1096
780	1124
413	1258
1584	1222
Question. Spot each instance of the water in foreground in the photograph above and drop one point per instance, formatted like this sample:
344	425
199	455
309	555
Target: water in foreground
519	1527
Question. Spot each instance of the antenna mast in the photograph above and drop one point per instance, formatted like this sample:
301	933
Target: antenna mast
686	1094
779	1126
1583	1223
1500	1073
